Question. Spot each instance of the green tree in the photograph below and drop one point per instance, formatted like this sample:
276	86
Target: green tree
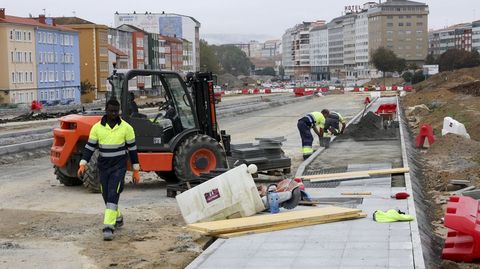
408	77
233	60
86	87
430	59
455	59
267	71
208	58
385	60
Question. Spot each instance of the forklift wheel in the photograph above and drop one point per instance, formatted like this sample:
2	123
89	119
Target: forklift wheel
198	154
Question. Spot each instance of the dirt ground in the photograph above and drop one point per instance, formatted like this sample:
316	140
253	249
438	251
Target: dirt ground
454	94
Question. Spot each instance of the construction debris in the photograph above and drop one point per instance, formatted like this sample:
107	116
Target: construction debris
267	223
370	127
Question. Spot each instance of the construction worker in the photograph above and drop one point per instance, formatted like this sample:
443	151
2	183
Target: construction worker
314	120
332	126
114	138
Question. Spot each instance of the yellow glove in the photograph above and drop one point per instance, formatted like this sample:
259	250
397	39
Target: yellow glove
136	176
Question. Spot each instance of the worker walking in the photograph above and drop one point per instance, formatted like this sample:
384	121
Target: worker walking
314	120
332	126
115	139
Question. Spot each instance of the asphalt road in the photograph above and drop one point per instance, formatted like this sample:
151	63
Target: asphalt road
38	213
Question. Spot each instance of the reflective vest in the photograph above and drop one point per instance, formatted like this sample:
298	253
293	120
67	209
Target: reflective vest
113	143
317	119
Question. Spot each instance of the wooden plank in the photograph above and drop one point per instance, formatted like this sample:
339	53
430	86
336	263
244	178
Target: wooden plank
356	174
357	193
290	226
254	222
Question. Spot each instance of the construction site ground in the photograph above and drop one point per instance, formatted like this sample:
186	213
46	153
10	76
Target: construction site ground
47	225
451	157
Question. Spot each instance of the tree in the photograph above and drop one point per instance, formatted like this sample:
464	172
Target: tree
385	60
281	71
86	87
208	58
267	71
430	59
408	77
455	59
233	60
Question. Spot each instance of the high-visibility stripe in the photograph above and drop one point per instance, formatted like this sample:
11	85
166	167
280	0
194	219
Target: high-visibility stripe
133	148
110	217
112	206
87	146
307	150
92	141
112	154
130	141
118	187
103	146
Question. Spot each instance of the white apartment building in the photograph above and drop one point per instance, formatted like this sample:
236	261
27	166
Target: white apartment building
319	53
476	35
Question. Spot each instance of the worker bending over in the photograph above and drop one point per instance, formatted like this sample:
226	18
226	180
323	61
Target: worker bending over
332	126
115	140
314	120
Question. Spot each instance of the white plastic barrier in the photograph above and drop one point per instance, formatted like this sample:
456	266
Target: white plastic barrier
452	126
232	194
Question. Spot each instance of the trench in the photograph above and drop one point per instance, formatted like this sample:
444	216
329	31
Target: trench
432	245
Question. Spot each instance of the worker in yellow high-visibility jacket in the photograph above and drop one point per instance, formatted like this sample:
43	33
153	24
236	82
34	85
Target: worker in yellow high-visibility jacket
332	126
314	120
115	140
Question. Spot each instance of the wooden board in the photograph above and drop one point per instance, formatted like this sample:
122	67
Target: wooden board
357	193
290	226
356	174
255	222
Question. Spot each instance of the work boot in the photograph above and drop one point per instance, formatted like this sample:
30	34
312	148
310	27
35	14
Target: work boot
107	234
119	222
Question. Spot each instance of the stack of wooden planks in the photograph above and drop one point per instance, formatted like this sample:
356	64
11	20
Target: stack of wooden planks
354	175
274	222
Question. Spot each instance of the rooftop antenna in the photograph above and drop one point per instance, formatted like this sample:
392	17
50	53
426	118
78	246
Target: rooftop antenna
44	11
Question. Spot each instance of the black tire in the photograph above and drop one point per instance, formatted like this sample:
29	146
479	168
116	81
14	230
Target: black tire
66	180
91	178
293	202
191	146
168	176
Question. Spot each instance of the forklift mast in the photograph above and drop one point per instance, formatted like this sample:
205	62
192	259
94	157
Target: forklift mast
204	99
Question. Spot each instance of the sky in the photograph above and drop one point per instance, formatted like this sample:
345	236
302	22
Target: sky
233	20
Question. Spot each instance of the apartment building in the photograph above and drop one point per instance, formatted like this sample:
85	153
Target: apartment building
319	53
93	44
401	26
58	63
18	79
287	52
458	36
173	53
336	47
168	25
476	35
121	41
187	65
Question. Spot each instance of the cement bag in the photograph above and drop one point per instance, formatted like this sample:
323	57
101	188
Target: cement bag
232	194
452	126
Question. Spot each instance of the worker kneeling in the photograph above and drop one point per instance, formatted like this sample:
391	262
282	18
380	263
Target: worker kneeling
332	127
115	140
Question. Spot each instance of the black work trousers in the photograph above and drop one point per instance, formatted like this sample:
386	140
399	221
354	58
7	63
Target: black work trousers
112	180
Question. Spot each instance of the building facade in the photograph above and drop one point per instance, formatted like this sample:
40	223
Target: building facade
170	25
458	36
319	53
58	63
476	35
401	26
93	43
18	79
187	65
121	40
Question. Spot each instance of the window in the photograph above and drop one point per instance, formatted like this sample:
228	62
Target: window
71	40
30	57
13	77
11	35
12	57
400	24
419	23
31	76
26	77
29	36
24	36
390	24
409	24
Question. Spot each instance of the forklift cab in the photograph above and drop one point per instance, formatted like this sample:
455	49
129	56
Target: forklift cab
176	114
